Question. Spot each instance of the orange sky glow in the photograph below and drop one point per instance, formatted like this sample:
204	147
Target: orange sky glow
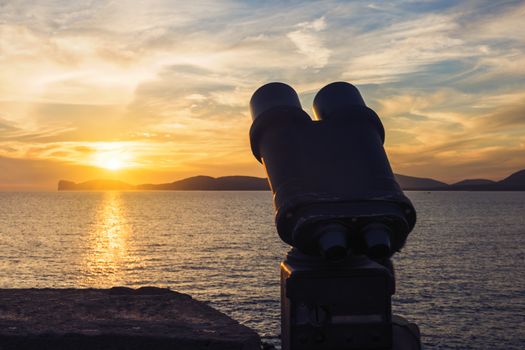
152	92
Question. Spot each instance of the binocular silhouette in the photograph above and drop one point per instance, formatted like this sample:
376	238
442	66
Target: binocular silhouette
334	191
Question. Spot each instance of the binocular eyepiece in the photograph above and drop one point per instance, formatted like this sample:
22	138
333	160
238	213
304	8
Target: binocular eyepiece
334	190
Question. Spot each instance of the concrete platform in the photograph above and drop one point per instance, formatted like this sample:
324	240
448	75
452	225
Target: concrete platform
116	318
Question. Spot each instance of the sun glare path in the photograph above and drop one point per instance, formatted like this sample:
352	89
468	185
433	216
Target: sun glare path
108	255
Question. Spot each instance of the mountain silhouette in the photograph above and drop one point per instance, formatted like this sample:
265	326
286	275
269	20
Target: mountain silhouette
514	182
208	183
474	182
417	183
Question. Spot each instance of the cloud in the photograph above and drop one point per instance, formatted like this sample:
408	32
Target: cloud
309	44
447	133
510	119
402	48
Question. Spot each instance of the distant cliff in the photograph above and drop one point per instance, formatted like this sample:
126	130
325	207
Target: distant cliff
94	185
514	182
207	183
196	183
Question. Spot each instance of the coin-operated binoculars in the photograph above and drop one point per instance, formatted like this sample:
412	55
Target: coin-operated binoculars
339	205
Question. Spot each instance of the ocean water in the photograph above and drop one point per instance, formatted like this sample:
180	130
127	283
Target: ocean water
461	277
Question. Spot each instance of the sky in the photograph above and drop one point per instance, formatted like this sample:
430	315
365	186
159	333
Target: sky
155	91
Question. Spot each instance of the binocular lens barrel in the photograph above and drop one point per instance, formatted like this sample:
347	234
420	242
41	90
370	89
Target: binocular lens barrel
273	95
333	243
377	240
336	96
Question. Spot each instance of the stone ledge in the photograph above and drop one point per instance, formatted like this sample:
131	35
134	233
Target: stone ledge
116	318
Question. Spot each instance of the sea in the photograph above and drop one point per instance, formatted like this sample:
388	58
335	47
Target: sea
460	277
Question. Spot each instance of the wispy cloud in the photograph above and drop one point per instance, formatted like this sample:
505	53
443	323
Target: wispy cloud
309	44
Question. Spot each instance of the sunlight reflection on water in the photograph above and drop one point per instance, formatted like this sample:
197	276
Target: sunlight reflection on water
107	250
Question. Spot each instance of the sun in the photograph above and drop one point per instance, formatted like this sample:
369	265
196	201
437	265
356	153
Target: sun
111	164
112	158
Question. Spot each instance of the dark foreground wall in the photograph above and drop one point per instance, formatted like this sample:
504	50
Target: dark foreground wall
116	318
